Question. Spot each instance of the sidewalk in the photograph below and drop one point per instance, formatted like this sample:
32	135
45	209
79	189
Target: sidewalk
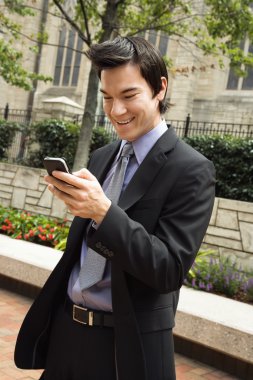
13	308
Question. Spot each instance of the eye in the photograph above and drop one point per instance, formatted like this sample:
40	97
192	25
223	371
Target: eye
130	96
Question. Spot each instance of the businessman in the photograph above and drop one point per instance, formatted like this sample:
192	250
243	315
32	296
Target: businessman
141	210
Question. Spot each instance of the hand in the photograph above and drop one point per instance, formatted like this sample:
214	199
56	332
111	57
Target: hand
81	192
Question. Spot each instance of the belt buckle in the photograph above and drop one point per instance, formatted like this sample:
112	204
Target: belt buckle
90	315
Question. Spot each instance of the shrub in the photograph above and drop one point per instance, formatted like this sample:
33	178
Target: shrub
56	138
39	229
202	256
249	289
218	275
233	161
7	133
100	137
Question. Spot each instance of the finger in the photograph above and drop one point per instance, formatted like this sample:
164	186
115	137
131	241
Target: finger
67	178
83	179
46	178
55	191
51	188
61	185
52	180
55	184
66	198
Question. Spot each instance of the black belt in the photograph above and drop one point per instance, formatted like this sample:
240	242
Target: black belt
88	317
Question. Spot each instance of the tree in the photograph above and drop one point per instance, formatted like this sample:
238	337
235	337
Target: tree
11	59
215	27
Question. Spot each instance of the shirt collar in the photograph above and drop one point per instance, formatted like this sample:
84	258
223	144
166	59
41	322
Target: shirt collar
144	143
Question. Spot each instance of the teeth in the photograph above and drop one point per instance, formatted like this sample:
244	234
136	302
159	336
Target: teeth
124	122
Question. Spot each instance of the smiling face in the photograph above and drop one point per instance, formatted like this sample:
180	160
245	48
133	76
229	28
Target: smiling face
128	101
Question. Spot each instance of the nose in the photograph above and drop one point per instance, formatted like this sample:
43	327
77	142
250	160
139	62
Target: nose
118	108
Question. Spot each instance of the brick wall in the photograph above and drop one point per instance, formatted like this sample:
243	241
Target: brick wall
24	188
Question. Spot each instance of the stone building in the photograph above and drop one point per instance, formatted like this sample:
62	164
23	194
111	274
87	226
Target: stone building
197	86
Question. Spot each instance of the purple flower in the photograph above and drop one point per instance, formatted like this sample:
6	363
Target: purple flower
249	283
202	285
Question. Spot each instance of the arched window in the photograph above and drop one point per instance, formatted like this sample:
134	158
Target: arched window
68	58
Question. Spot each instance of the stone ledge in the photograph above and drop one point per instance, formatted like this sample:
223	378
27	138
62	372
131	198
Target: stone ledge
27	262
216	322
234	205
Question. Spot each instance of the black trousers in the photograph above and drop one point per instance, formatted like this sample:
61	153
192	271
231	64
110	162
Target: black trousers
78	352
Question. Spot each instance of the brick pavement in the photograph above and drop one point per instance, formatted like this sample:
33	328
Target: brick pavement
13	308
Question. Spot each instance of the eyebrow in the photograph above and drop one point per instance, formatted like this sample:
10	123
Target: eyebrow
122	92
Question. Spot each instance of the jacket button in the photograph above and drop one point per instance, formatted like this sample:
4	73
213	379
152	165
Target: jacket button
110	254
98	245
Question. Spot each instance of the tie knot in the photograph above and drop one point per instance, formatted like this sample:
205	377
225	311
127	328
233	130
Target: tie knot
127	150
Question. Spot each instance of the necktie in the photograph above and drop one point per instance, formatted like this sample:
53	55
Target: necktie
93	266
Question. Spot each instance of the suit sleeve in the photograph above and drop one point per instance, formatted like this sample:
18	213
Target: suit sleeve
162	259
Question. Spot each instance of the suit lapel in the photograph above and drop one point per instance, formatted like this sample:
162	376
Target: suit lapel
145	174
101	163
148	169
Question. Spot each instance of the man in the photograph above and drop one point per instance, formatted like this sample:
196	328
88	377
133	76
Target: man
149	233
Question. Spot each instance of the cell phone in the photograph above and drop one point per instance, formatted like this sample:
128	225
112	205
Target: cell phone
56	163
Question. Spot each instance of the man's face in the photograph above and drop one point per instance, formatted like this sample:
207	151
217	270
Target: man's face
128	101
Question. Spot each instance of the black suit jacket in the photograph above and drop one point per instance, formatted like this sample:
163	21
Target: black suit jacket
151	237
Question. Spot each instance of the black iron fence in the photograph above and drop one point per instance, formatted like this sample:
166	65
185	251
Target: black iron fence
17	115
188	127
184	128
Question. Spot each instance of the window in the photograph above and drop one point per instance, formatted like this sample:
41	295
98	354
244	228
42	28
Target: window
163	44
152	37
68	60
158	39
247	83
242	83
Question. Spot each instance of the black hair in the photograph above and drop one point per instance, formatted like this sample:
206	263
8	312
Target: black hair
136	50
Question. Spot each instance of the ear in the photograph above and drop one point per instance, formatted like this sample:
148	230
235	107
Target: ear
162	92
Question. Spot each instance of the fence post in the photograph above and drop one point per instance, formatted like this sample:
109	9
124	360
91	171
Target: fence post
6	111
187	125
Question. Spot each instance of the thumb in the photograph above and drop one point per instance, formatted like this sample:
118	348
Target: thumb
85	174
